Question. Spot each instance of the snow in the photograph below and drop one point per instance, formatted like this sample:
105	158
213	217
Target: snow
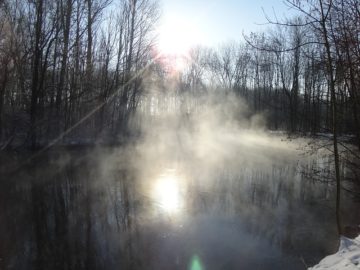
348	256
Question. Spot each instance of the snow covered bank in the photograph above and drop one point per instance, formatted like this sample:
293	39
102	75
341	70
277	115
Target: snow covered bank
348	256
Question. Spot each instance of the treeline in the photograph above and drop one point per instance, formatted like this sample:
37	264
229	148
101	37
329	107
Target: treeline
295	72
68	66
84	68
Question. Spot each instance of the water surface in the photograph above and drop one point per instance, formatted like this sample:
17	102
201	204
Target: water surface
104	208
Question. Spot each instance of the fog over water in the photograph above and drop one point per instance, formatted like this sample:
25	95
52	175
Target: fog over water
211	189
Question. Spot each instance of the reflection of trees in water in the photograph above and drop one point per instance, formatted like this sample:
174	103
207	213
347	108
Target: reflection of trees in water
274	203
67	220
321	170
61	227
80	217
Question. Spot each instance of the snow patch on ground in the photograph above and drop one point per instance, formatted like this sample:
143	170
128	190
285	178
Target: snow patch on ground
348	256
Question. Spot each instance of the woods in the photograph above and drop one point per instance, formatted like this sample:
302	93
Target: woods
84	69
62	59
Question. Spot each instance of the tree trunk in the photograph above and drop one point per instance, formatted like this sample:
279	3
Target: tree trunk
35	75
333	114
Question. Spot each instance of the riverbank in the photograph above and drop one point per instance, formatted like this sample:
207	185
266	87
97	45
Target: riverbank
348	256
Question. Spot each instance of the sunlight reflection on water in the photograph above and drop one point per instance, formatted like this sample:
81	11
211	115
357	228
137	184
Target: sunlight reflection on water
167	193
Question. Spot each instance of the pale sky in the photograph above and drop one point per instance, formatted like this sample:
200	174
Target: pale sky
213	22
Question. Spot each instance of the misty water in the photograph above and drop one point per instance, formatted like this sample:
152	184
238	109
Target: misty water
178	204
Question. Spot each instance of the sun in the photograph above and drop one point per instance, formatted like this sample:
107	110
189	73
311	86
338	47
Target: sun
176	36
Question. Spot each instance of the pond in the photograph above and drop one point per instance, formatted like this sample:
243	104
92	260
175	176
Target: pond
151	207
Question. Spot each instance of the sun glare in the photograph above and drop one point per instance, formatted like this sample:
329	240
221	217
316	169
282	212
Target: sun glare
177	36
167	192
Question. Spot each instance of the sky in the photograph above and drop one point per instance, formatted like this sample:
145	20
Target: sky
212	22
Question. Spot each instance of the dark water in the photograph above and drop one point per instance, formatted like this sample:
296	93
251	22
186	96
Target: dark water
99	209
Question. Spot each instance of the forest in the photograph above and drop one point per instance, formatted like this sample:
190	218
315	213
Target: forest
84	69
